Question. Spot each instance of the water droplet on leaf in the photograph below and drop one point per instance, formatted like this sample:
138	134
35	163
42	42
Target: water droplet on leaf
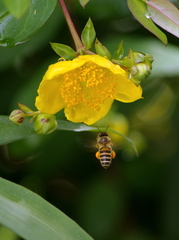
148	15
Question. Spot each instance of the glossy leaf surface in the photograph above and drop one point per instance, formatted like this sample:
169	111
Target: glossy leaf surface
140	12
15	31
33	218
17	7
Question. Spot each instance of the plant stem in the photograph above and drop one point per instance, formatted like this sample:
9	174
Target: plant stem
76	38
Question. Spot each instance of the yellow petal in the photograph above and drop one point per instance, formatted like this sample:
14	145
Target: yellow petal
127	91
49	99
85	87
83	113
65	66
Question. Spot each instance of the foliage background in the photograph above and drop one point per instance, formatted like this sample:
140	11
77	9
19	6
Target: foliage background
137	197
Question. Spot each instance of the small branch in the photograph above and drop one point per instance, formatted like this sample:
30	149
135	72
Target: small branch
76	38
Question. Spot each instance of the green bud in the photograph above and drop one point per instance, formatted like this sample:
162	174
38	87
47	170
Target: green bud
142	57
141	71
88	34
142	67
139	57
63	51
45	123
119	52
102	50
17	116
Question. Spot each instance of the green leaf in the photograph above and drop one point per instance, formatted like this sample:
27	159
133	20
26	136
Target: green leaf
76	127
16	31
79	127
88	34
102	50
63	51
164	14
9	132
140	12
83	2
33	218
127	139
17	7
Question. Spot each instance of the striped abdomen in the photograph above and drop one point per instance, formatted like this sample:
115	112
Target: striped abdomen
105	155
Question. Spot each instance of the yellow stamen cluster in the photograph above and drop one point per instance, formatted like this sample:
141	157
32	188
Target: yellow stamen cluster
89	84
85	87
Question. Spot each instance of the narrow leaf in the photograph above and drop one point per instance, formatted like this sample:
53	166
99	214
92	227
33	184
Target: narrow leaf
139	10
15	31
76	127
63	51
17	7
164	14
88	34
33	218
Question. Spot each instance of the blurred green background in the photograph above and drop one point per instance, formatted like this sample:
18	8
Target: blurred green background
137	198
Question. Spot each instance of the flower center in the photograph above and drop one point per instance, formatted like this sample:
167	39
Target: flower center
89	84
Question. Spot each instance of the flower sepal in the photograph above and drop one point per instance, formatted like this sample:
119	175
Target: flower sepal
63	51
88	34
119	52
102	50
138	65
24	108
45	123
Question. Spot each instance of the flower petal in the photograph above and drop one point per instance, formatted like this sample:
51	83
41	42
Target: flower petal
49	99
83	113
85	87
65	66
127	91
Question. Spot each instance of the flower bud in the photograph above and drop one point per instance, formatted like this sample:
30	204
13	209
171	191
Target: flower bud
45	123
142	67
17	116
141	71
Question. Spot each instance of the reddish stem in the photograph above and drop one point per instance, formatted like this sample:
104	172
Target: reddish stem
76	38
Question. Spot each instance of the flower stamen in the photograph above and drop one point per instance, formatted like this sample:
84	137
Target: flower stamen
92	80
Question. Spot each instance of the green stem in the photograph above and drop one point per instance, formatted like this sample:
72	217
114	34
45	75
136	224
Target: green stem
76	38
31	114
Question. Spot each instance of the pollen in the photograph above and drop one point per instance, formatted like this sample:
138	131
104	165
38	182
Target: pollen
89	84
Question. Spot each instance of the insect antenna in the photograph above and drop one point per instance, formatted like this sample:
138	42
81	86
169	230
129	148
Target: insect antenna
98	129
105	129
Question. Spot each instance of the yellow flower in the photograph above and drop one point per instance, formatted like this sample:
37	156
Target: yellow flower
85	87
